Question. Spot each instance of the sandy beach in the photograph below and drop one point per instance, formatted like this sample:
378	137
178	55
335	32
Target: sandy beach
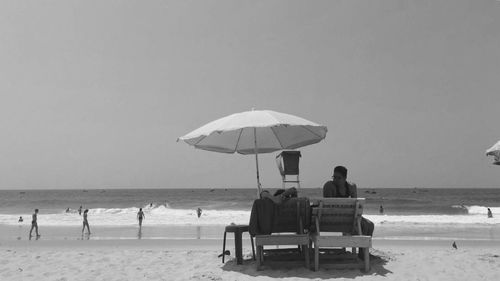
197	260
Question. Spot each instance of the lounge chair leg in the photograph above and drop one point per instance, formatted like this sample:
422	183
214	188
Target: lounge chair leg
367	259
306	253
253	249
259	257
316	257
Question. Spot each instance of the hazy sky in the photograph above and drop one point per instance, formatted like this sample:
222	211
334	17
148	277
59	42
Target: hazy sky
93	94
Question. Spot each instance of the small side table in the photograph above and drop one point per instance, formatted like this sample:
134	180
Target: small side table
237	229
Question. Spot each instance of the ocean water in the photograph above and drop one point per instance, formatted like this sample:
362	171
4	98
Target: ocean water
433	212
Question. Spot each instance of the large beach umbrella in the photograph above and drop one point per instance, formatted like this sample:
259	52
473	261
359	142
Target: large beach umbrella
495	152
254	132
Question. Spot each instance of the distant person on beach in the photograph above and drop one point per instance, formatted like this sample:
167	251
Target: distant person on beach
151	205
199	212
340	188
85	221
381	210
140	216
80	210
34	223
67	210
490	214
20	219
280	195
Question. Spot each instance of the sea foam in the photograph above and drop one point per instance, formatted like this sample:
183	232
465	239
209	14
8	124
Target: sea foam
164	215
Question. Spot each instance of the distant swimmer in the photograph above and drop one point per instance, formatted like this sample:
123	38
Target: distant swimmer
34	223
85	221
140	216
199	212
80	210
67	210
490	214
20	219
381	210
454	245
151	205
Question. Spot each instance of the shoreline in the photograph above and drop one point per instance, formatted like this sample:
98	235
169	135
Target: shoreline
196	232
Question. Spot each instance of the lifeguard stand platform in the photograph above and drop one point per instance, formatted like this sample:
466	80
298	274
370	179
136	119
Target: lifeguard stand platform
288	165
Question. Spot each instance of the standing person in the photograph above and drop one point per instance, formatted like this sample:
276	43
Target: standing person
34	223
339	187
140	216
490	214
85	221
381	210
80	210
199	212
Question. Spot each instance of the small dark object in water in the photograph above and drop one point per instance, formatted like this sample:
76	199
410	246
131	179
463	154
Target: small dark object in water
454	245
226	252
212	190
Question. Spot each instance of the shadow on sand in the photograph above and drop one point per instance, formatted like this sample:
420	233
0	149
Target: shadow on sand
378	260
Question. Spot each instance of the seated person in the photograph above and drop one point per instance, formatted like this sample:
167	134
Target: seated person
340	188
280	195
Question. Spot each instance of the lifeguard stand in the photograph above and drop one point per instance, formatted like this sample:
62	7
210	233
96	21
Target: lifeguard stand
288	165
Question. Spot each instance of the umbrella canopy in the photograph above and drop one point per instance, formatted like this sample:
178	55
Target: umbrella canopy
254	132
495	152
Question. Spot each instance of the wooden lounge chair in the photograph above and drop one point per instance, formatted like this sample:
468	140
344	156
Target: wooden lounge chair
281	224
341	215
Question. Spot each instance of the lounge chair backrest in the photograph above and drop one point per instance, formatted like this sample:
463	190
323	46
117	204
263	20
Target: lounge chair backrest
338	214
292	216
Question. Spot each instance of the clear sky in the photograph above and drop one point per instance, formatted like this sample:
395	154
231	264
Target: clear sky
93	94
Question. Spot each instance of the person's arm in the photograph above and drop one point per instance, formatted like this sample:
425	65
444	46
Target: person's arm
329	189
354	190
276	199
292	191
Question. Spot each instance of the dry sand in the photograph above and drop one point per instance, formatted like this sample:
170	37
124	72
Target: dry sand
197	260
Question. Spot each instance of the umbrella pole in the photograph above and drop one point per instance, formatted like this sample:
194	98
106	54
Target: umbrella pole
256	161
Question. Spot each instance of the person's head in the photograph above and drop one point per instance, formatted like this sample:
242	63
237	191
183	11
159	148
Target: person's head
140	209
340	174
86	211
36	210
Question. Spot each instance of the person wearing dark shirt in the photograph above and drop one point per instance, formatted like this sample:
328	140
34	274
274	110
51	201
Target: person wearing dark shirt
339	187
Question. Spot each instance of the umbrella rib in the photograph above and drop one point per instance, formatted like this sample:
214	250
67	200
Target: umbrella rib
238	141
311	131
272	129
199	141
